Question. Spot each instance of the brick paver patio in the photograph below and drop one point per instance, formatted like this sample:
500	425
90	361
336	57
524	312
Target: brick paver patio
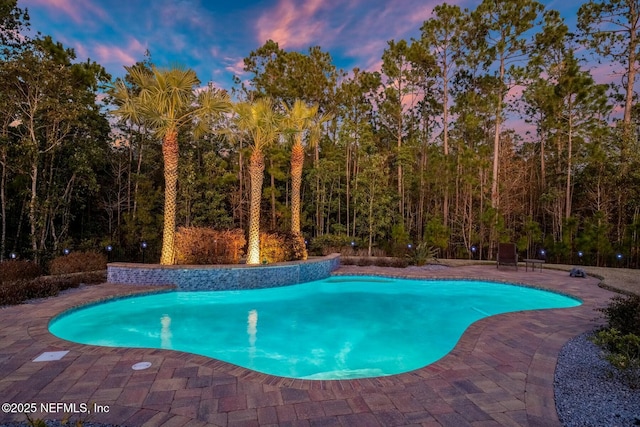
500	373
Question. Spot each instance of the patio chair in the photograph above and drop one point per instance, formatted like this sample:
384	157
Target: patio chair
507	255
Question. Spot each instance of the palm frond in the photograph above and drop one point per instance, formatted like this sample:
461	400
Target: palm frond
167	99
260	120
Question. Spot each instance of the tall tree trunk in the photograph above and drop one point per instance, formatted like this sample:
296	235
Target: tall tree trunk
32	209
3	205
496	161
137	184
496	140
129	177
348	186
170	155
355	190
256	173
316	162
567	204
240	189
445	118
422	194
631	67
297	162
543	172
273	195
400	183
371	189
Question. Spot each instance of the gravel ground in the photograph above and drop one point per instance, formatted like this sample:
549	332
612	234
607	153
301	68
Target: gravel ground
588	390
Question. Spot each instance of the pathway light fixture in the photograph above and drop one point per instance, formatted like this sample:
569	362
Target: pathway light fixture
143	246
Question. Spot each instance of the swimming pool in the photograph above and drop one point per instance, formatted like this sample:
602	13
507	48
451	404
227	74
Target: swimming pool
336	328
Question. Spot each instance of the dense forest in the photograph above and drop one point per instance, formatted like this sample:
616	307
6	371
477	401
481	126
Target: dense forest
487	128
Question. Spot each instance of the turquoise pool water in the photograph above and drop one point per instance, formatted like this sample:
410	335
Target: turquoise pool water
337	328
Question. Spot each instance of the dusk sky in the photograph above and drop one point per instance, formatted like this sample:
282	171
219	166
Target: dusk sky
213	37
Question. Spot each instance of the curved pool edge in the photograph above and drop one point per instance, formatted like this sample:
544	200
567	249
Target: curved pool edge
224	276
479	279
526	388
276	370
141	292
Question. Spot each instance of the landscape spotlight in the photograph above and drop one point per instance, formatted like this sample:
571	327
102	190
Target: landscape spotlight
66	251
13	255
143	245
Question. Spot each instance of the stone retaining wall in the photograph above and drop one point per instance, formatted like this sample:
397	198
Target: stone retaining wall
223	277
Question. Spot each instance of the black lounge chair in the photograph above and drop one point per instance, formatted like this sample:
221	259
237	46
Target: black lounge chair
507	255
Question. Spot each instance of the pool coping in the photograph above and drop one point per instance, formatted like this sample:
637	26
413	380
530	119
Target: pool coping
224	276
491	376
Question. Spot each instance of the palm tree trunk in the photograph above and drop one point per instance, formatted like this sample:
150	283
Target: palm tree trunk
273	195
256	173
297	161
170	155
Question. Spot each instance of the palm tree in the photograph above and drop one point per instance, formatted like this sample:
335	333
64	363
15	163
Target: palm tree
166	101
262	123
297	120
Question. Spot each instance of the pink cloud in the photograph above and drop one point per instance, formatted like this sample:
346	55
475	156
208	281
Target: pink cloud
292	25
369	49
606	73
182	14
234	65
516	91
390	23
77	10
114	54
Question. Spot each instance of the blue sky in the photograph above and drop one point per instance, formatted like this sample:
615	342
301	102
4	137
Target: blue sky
213	36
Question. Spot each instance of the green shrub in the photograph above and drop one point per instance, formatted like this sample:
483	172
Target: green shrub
622	352
77	262
73	280
203	245
392	262
364	261
19	291
35	422
86	277
280	247
422	254
18	270
623	314
330	243
364	252
620	340
12	293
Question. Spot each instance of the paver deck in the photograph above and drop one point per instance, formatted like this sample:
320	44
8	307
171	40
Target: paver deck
499	374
